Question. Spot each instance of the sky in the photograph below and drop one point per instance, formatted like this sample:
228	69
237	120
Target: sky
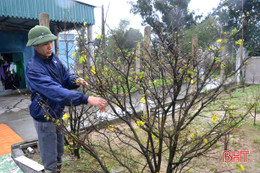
115	10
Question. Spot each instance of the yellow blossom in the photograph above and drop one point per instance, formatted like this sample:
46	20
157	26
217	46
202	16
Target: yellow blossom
191	81
242	167
93	71
239	42
143	100
74	53
219	40
84	56
214	118
99	37
192	135
210	48
65	116
154	81
140	123
111	127
205	140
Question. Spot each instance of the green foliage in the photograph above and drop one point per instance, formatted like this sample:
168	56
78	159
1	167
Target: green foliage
122	38
230	17
208	32
168	9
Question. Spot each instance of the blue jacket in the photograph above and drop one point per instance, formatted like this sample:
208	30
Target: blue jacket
50	84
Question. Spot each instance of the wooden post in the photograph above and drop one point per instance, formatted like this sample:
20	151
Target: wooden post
240	71
90	45
83	52
138	62
147	41
103	38
57	42
222	67
146	58
44	19
194	45
195	65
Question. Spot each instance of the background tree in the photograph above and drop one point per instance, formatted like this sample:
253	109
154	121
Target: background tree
208	32
126	38
235	14
172	15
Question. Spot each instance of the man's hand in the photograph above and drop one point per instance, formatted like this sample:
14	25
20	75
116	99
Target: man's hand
98	102
81	81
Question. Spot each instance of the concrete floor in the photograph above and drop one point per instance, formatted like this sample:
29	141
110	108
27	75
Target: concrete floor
14	112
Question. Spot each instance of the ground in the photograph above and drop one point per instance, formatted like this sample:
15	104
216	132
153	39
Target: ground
243	137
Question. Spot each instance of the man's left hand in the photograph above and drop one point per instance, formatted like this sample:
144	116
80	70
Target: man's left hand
81	81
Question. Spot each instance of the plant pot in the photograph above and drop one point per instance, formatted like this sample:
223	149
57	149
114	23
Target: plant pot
25	163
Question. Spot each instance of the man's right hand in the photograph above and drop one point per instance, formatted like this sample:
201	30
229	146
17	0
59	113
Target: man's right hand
97	102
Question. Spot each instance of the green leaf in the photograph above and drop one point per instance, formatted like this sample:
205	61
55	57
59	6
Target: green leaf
80	60
141	74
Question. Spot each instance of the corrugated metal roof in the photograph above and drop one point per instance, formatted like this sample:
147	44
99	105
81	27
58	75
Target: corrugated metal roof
59	10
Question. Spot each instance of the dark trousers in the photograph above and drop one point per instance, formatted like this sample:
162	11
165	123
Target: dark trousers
51	144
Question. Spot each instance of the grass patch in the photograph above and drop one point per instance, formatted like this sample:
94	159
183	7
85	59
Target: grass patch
238	99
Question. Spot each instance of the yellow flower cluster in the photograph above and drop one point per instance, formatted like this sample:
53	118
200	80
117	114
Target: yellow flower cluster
192	135
219	40
214	118
111	127
140	123
65	116
239	42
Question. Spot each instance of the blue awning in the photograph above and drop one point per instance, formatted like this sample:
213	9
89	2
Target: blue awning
26	12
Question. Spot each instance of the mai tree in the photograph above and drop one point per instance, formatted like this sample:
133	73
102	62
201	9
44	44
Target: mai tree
158	93
156	119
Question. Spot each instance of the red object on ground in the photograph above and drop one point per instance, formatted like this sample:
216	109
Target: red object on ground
7	138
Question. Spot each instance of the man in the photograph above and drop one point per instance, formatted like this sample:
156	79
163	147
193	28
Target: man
49	82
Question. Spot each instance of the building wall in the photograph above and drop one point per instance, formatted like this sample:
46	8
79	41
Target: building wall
252	75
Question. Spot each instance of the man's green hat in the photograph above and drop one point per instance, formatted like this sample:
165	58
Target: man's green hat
38	35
